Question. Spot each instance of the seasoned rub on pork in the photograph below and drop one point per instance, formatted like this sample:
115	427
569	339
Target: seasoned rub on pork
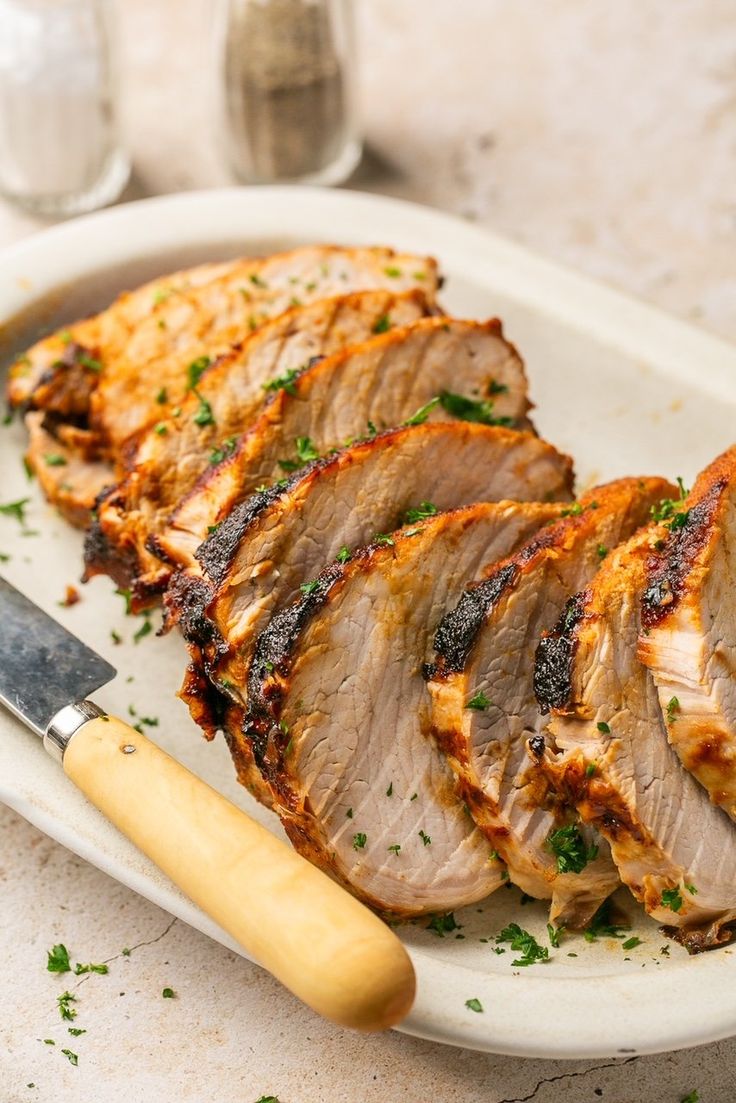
484	710
135	351
609	755
688	639
223	402
457	369
337	717
256	560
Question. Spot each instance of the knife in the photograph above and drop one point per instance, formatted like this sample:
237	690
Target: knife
326	947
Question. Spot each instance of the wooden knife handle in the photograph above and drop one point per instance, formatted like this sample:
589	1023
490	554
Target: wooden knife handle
325	946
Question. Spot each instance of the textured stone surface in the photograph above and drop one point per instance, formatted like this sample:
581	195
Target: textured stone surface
603	135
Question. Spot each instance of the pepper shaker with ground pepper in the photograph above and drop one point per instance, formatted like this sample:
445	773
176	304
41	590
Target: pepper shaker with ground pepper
289	111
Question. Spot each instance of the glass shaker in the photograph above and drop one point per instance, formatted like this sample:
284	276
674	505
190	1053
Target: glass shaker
59	152
289	99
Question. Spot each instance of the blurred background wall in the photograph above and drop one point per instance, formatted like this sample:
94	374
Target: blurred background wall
600	133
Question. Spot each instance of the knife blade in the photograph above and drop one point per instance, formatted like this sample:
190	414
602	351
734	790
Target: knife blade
316	939
43	668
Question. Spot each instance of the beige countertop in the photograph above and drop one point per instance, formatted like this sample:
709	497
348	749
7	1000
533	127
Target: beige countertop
602	135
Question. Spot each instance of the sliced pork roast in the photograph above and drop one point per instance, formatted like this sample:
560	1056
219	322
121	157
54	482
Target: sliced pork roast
609	755
484	710
59	373
120	372
146	339
689	629
257	558
466	370
221	404
337	720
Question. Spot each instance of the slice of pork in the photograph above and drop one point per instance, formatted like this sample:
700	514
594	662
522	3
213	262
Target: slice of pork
206	321
233	390
371	387
610	756
689	630
70	476
483	706
256	560
339	710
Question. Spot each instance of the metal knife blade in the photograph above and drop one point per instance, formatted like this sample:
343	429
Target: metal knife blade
42	666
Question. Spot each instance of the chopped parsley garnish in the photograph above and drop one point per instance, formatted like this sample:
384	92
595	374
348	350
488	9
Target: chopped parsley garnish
479	702
161	429
58	959
691	1097
413	796
390	790
126	596
468	409
267	1099
424	837
395	848
691	889
525	943
443	924
349	813
572	511
144	630
673	707
591	769
474	1005
553	933
382	324
392	271
631	943
602	726
90	362
196	370
602	551
71	1057
162	396
496	388
55	459
65	1010
384	539
168	993
309	587
162	295
204	415
343	556
226	449
672	899
421	513
75	1031
305	453
257	280
15	509
359	840
601	926
568	847
422	413
90	968
284	382
666	511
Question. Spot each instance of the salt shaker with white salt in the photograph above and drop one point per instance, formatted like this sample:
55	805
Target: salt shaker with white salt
59	150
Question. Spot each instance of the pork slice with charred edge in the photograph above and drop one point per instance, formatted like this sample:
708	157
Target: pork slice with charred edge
484	710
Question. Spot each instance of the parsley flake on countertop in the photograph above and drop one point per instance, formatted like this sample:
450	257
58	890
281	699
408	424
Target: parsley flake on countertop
474	1005
168	993
71	1057
65	1010
359	840
691	1097
601	925
58	959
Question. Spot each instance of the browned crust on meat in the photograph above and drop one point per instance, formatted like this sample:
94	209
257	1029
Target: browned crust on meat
687	545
